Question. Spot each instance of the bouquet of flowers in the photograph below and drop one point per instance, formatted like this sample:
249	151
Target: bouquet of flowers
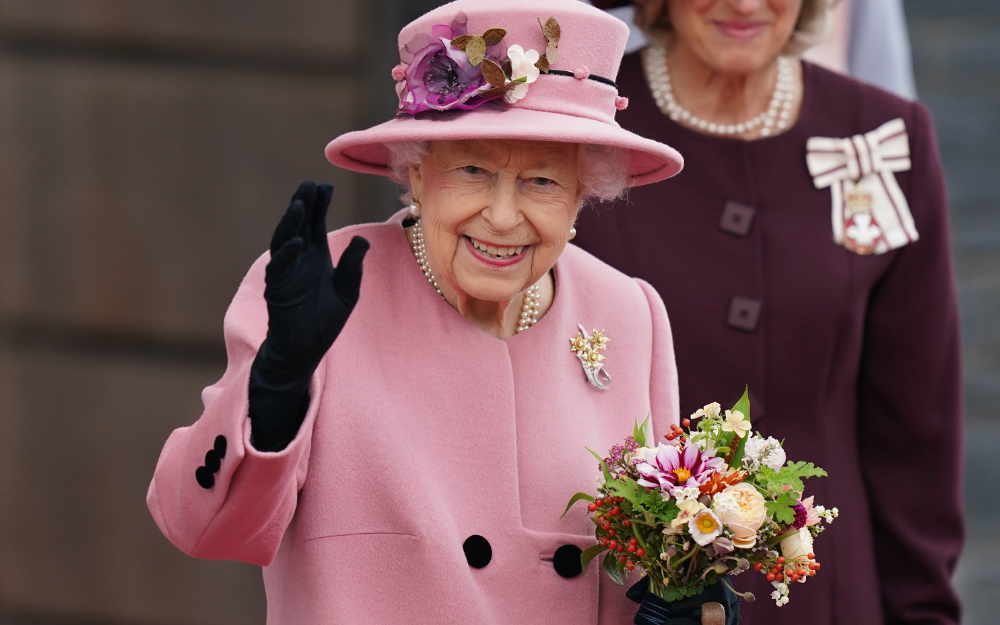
715	499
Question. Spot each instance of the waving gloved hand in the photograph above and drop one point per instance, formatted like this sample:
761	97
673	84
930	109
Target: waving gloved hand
308	303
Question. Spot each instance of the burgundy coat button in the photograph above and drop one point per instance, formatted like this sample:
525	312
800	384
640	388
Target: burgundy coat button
744	313
736	218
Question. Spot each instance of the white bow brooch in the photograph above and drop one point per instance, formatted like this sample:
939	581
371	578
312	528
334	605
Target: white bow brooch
870	212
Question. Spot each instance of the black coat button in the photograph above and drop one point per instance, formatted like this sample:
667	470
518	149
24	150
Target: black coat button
744	313
566	561
220	445
477	551
212	462
205	478
736	218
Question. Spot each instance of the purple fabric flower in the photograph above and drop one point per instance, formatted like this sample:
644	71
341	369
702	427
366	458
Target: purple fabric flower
670	467
437	76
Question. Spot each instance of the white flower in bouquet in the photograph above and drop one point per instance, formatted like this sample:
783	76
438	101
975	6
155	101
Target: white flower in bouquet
689	508
685	493
711	410
640	454
798	545
736	422
743	509
763	451
705	527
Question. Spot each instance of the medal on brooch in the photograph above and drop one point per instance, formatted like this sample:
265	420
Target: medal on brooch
862	232
588	350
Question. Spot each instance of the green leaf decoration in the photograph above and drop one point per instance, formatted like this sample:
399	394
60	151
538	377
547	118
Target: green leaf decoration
783	514
639	432
604	466
575	498
740	450
743	405
494	36
625	489
475	49
590	553
542	64
492	73
609	567
459	43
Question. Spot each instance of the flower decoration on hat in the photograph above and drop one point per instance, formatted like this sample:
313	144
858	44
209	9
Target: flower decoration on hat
451	69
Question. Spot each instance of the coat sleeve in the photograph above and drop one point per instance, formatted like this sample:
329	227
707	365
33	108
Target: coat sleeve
663	395
910	407
251	498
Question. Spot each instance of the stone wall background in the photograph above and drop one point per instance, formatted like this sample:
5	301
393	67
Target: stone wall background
147	147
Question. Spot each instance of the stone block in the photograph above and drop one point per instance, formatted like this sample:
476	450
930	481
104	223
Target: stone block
79	438
311	31
133	198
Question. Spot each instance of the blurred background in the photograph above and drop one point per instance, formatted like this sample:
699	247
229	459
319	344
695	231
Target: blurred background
148	147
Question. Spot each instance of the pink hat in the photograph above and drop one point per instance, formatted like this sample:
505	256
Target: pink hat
541	70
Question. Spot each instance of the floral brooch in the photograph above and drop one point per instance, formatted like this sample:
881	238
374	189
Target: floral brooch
588	349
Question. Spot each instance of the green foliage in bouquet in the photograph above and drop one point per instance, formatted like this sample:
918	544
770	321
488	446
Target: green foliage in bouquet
714	499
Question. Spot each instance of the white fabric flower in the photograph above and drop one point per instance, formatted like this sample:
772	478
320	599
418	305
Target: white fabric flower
522	66
522	63
737	422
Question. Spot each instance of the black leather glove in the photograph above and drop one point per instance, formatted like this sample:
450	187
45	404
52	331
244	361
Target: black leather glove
656	611
308	303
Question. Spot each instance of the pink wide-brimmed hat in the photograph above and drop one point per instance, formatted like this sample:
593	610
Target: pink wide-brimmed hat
540	70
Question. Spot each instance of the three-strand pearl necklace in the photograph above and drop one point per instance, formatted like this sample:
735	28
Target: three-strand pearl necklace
532	297
774	119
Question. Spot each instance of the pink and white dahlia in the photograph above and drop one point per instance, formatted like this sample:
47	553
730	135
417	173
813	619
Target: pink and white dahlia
672	466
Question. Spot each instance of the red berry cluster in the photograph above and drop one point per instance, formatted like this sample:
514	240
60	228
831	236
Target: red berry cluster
677	432
613	528
780	571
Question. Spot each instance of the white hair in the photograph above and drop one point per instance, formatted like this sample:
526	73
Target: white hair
602	170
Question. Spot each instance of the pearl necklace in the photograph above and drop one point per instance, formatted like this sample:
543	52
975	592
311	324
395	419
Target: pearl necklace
769	121
532	297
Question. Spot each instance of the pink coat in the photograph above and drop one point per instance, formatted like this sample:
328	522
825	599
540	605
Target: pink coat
422	431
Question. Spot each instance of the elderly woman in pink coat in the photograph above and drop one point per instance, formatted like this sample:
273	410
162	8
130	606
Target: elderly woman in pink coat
399	446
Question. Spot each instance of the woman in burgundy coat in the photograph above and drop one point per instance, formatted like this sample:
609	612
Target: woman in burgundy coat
804	252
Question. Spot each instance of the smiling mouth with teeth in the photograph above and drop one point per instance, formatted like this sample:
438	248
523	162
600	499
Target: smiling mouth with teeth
496	253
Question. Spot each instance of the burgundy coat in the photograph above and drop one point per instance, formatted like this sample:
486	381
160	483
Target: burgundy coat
853	359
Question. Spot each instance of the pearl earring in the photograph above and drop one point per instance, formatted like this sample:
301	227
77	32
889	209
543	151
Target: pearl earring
572	232
414	208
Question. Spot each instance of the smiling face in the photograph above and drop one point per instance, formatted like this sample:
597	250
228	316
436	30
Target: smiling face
734	36
496	215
